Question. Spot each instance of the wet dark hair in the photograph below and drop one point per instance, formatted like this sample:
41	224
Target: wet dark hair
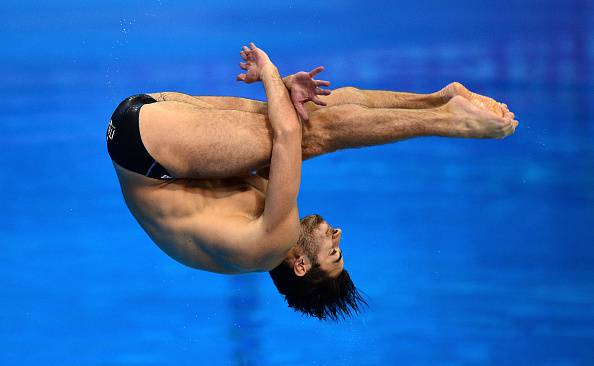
316	294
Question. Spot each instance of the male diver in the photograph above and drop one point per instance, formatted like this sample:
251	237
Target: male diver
185	165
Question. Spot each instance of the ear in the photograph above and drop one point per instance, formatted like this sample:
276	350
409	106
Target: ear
301	265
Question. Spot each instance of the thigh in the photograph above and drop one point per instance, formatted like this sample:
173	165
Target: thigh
339	96
194	142
257	106
235	103
216	102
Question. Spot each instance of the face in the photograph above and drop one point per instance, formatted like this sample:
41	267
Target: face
330	253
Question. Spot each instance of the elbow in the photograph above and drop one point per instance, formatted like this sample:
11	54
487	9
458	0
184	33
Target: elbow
282	221
270	226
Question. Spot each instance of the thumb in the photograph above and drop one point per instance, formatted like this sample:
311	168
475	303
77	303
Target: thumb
318	101
301	111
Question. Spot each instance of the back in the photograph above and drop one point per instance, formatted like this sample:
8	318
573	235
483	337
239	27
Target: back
211	225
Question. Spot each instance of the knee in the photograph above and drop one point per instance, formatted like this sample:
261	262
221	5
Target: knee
348	89
323	126
314	138
351	95
316	132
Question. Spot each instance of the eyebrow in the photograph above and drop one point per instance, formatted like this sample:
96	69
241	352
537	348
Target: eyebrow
340	256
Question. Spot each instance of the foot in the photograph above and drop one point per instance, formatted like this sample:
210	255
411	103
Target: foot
481	101
474	122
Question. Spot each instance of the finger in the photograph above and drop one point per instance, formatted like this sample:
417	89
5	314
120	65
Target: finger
253	46
245	49
243	65
496	108
510	130
243	55
322	91
322	83
505	131
240	77
316	71
318	101
512	125
301	111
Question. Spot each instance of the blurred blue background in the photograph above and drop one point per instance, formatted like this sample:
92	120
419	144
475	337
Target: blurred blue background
470	252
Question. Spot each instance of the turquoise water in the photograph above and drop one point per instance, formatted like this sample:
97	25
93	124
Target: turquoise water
470	252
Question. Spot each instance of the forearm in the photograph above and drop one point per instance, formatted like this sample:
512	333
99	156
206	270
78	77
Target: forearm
281	113
285	162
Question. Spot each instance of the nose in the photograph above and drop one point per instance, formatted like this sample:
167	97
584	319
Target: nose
336	234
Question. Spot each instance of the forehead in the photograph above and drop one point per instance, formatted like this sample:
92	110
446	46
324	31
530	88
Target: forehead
313	220
322	229
314	223
322	226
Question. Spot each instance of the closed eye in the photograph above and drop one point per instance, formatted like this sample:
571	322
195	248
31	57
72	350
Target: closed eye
329	231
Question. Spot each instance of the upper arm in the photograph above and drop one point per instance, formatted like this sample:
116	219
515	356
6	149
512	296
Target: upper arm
283	181
243	243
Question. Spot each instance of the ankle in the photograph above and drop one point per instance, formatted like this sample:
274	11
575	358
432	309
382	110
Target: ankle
440	97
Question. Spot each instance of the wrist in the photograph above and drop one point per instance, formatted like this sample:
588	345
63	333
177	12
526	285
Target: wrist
269	69
437	99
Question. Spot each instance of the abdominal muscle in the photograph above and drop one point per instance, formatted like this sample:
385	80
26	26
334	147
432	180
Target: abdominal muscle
175	212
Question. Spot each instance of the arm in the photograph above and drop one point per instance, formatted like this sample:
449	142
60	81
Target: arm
285	164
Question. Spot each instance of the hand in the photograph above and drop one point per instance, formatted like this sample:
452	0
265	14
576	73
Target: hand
256	60
304	88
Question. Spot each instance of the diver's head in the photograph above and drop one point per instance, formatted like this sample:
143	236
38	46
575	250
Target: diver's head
312	277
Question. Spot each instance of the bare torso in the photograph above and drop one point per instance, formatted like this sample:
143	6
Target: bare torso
204	224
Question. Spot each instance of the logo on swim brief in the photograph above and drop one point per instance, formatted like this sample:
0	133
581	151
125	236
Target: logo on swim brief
110	131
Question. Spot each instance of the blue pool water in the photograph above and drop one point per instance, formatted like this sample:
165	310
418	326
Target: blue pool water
470	252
